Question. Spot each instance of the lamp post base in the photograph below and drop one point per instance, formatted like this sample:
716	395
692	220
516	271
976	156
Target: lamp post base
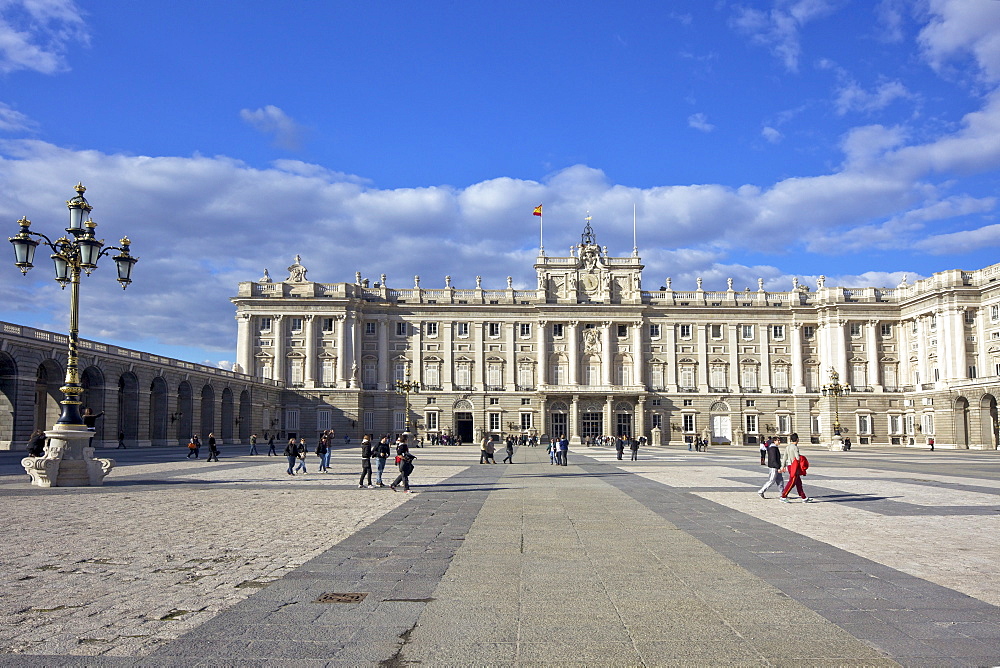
68	460
837	443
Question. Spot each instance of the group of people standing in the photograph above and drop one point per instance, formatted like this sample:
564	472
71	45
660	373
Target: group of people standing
558	451
791	461
194	447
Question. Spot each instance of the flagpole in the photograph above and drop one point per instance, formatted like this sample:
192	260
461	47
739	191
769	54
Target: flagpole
635	246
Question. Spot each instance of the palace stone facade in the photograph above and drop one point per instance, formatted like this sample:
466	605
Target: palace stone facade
590	352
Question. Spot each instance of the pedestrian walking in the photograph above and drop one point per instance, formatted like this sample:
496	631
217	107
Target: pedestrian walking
509	459
366	461
301	451
620	446
213	448
321	450
194	446
634	447
482	449
121	440
270	447
795	464
292	455
381	455
405	459
770	456
491	448
253	444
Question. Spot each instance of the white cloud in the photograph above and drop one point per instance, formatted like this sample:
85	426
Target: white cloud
34	34
14	121
963	28
271	120
852	97
699	121
771	135
779	28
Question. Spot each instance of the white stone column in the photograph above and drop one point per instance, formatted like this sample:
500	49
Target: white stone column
871	348
574	420
607	356
310	365
609	415
383	354
904	376
765	361
278	328
542	359
797	381
447	355
638	354
640	418
922	369
479	339
244	343
416	355
982	359
734	356
953	344
341	380
670	349
510	368
573	332
354	336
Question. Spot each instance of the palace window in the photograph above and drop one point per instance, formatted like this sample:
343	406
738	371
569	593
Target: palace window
494	375
688	422
886	329
370	329
864	424
525	329
401	329
431	420
368	420
654	331
808	331
295	324
432	375
685	331
780	377
493	329
747	331
855	328
895	424
525	421
557	330
463	374
327	325
431	329
751	423
399	371
462	330
324	420
328	370
265	324
716	331
777	332
622	331
784	423
494	421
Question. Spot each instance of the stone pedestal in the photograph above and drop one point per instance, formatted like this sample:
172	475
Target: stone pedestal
657	436
68	460
837	443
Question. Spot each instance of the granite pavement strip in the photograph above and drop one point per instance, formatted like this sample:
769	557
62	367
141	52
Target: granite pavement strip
586	565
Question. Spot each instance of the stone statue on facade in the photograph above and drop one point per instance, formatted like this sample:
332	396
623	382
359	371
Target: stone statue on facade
266	278
510	282
591	341
296	272
729	284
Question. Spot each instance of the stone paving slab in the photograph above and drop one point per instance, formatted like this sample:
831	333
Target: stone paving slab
672	560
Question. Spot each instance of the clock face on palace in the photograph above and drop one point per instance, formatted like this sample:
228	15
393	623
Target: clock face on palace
590	282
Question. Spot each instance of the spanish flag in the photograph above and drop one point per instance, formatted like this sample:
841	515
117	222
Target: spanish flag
538	210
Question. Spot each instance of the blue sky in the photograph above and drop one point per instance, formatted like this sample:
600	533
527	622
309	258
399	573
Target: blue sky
793	138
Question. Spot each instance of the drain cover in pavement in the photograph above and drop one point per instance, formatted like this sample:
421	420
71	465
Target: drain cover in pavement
334	597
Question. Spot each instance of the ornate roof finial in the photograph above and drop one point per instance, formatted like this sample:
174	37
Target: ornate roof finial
588	238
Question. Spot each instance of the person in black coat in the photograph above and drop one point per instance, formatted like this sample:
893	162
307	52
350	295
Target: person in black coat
405	465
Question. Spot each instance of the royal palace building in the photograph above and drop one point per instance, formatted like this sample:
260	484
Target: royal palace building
589	352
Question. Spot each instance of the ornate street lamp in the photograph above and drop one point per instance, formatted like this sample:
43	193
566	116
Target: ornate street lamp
836	390
75	252
403	388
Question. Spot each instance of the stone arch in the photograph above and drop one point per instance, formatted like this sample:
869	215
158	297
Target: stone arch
158	411
228	416
128	408
719	407
558	407
988	421
8	400
246	417
462	405
185	412
207	424
48	380
962	423
94	392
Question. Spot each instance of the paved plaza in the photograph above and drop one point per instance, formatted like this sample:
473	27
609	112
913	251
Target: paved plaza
672	560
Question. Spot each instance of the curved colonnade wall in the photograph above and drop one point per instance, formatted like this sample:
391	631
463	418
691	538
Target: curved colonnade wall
147	400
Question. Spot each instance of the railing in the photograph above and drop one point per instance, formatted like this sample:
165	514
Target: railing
862	388
749	390
496	388
718	390
687	389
